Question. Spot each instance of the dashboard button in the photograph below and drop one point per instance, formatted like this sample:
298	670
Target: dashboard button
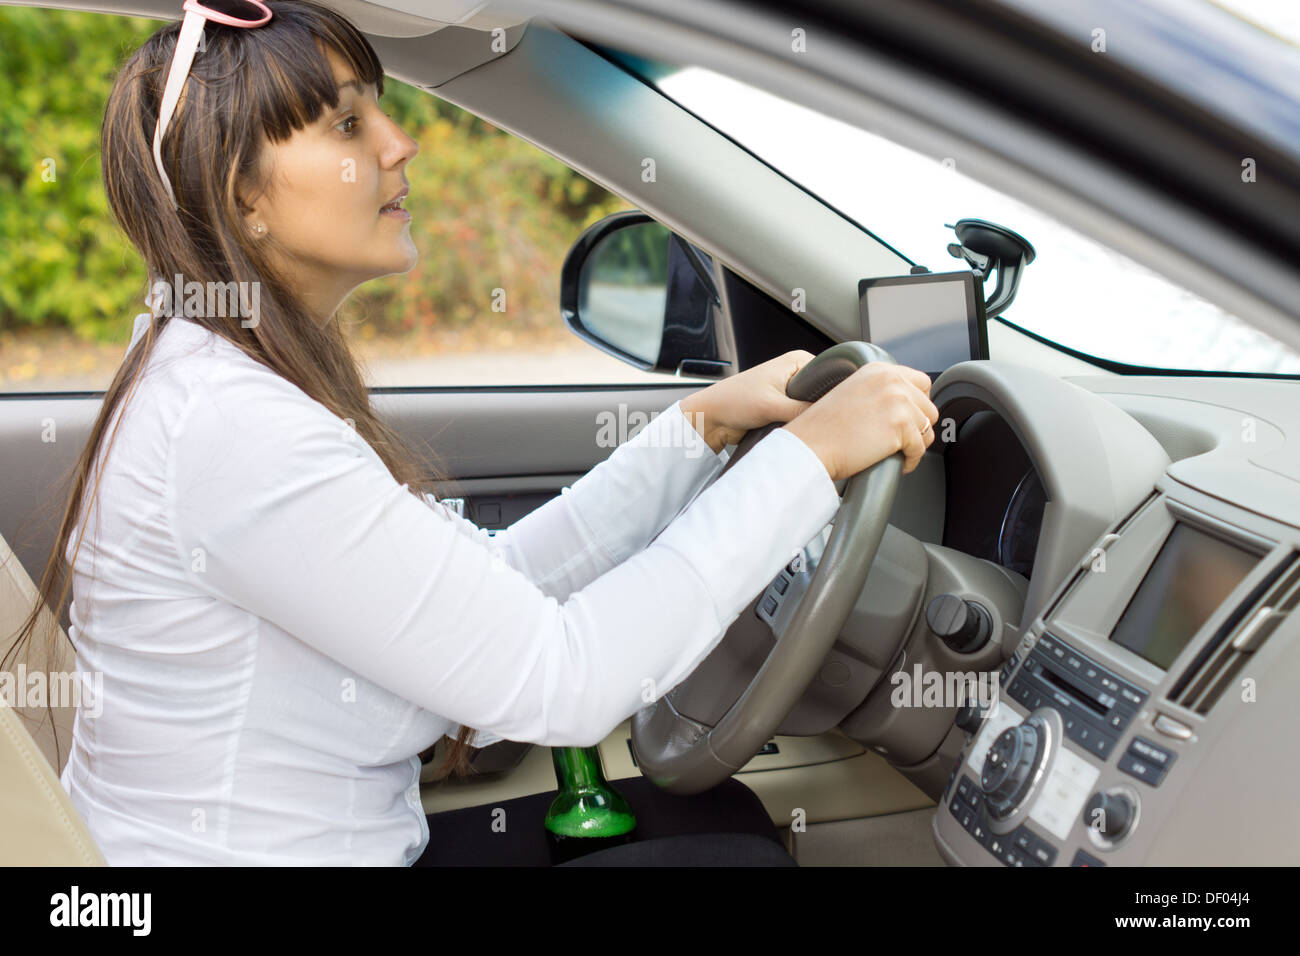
781	583
1132	696
1103	745
769	605
1172	728
1085	859
1009	667
1151	753
1148	773
1020	691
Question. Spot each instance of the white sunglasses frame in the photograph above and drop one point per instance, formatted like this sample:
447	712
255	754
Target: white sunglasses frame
187	44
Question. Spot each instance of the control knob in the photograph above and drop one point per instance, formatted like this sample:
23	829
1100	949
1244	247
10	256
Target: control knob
1012	763
1109	814
963	625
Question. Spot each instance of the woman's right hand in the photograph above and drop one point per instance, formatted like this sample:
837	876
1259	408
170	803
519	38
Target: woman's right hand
878	410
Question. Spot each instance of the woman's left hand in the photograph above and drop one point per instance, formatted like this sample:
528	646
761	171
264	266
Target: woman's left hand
723	412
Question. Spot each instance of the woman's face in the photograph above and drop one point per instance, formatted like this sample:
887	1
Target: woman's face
322	211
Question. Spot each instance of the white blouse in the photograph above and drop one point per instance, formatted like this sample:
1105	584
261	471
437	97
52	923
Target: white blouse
281	627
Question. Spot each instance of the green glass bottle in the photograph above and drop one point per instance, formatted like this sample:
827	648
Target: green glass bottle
587	814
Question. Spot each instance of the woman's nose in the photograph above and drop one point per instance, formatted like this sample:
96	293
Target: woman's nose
401	147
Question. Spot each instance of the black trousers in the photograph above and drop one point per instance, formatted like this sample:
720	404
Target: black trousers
725	826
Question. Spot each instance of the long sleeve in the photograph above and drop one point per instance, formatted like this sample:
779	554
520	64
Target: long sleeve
609	514
299	523
612	512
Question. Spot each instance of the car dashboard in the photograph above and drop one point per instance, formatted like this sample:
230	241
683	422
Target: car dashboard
994	502
1149	692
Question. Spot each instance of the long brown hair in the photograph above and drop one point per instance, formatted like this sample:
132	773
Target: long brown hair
248	86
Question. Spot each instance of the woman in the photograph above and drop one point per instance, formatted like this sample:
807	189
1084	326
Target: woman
283	614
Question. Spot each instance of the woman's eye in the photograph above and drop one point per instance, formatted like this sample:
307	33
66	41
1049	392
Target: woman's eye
348	127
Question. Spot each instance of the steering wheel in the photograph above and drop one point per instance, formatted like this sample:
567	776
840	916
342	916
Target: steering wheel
683	756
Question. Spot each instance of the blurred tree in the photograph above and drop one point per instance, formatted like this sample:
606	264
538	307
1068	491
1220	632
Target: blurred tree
64	262
491	212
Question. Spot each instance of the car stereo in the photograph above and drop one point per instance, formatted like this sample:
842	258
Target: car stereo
1190	577
1110	696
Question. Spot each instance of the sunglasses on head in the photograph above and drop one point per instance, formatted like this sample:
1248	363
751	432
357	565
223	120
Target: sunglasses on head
230	13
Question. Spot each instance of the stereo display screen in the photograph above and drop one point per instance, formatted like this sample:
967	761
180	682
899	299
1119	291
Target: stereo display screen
1190	578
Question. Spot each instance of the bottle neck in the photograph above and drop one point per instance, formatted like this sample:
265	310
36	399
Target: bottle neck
578	767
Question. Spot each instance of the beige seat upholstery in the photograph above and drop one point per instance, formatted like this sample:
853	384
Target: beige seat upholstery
38	824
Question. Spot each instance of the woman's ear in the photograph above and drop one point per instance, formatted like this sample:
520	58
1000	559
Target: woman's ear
253	221
253	212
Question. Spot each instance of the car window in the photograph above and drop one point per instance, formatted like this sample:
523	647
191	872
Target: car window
493	218
1077	293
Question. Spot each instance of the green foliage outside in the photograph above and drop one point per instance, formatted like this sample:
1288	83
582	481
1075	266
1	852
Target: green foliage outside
634	256
492	215
63	261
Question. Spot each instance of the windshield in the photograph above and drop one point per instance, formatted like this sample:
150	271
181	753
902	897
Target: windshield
1077	293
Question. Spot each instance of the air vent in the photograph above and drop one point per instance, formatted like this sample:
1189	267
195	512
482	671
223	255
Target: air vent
1242	634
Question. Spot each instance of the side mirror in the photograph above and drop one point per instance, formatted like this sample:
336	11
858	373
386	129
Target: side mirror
637	291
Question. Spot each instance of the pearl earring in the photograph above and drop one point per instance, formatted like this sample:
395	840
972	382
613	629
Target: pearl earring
259	229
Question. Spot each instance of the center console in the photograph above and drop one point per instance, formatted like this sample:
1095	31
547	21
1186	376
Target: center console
1117	711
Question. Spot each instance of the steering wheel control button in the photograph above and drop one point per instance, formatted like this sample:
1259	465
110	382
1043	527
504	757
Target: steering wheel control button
963	625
